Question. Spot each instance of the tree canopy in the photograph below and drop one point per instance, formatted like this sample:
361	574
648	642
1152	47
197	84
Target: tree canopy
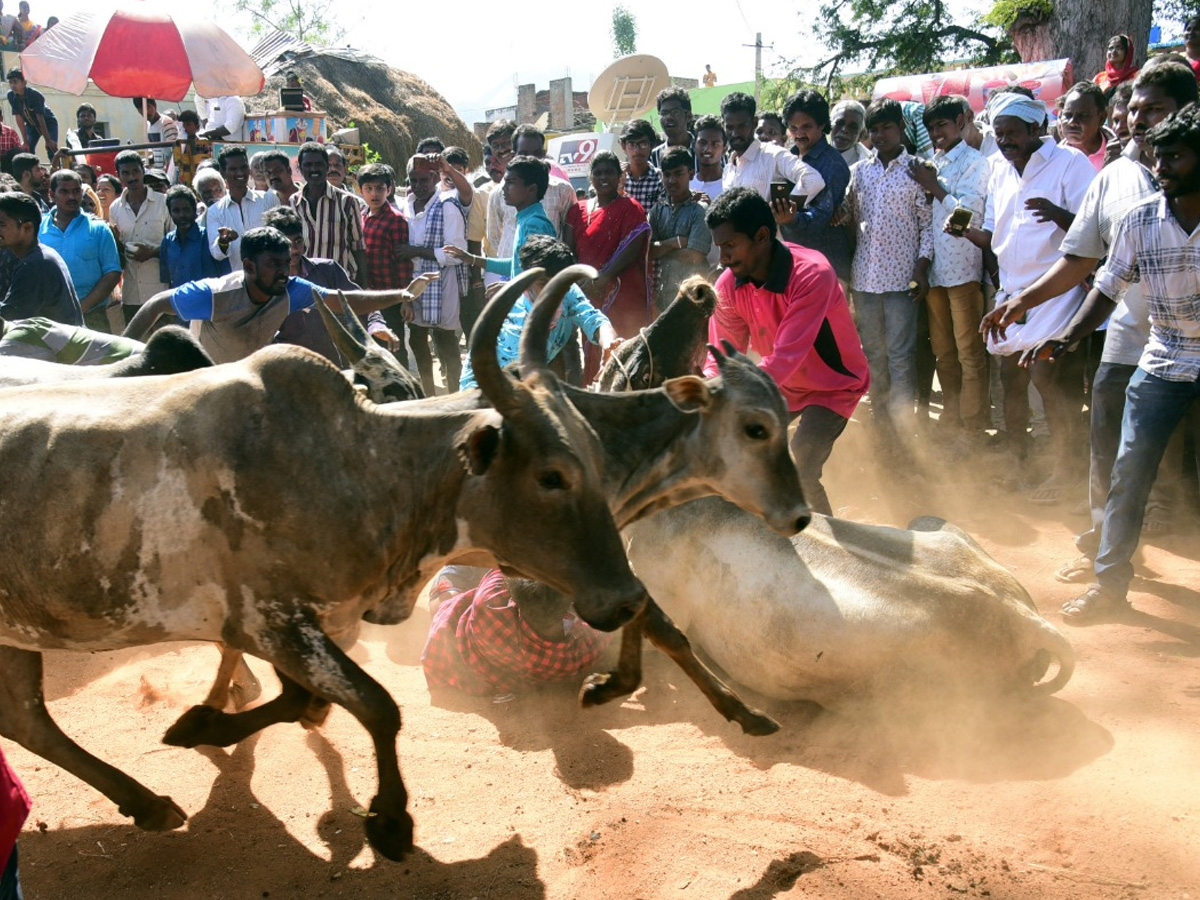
624	31
312	21
885	37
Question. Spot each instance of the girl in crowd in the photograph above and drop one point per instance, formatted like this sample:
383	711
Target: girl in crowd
1120	65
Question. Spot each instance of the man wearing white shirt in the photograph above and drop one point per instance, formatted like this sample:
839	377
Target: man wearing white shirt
238	211
1158	91
141	218
755	165
1034	190
435	221
226	115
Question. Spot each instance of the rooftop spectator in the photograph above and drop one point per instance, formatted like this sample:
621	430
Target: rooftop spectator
35	121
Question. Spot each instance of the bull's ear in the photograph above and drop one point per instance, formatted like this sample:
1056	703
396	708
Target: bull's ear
690	393
479	449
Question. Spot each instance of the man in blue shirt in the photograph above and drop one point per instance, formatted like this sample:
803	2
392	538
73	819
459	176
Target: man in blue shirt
806	115
526	181
241	312
34	281
85	244
183	255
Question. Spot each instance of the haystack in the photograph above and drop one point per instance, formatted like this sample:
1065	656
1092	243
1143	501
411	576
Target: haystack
393	110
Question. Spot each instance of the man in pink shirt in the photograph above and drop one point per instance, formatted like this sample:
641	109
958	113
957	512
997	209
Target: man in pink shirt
14	807
785	303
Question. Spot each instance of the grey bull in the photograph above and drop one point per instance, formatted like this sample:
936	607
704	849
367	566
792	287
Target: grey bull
844	611
265	505
847	613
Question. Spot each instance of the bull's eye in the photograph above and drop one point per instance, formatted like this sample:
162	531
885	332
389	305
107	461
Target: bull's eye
551	480
644	378
757	432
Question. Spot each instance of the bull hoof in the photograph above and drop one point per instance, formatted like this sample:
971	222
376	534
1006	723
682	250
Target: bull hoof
757	724
198	726
390	835
602	687
243	694
161	814
315	713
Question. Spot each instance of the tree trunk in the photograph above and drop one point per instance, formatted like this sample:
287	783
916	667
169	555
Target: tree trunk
1032	38
1080	29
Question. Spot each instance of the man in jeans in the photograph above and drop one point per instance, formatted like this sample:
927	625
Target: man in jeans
895	246
955	297
1152	245
1158	91
784	301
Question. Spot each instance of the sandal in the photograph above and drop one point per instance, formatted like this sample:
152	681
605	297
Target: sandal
1157	522
1092	606
1048	492
1077	571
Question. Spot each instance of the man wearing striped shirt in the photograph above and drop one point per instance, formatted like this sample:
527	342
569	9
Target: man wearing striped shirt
1157	244
331	217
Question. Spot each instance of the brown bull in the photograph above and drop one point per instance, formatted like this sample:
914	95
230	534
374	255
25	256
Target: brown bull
692	437
265	505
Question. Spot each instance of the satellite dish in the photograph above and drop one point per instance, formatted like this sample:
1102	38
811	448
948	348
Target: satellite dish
627	88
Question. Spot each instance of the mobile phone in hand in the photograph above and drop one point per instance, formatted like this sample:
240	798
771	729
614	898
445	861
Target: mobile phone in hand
781	190
959	221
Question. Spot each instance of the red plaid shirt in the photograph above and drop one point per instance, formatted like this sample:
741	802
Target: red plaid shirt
479	643
10	138
382	234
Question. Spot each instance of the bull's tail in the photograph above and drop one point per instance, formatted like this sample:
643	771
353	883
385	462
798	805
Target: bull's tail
1059	649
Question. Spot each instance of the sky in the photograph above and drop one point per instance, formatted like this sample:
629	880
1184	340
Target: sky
476	57
476	53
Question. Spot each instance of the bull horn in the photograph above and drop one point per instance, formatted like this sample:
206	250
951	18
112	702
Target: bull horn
343	340
536	333
354	324
493	382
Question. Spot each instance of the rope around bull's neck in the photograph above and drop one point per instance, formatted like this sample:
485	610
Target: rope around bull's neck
595	385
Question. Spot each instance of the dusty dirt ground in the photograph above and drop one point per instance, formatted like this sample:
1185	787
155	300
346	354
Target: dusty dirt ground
1094	793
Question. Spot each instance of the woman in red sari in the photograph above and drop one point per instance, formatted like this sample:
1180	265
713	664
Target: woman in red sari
610	233
1120	63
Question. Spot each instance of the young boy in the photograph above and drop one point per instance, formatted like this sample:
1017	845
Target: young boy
709	179
680	241
183	255
710	157
384	232
642	180
955	299
891	265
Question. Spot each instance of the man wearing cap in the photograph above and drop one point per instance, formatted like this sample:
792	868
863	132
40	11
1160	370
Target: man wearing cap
1035	188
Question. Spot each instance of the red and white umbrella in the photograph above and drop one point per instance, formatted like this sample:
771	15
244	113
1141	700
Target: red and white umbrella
141	50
